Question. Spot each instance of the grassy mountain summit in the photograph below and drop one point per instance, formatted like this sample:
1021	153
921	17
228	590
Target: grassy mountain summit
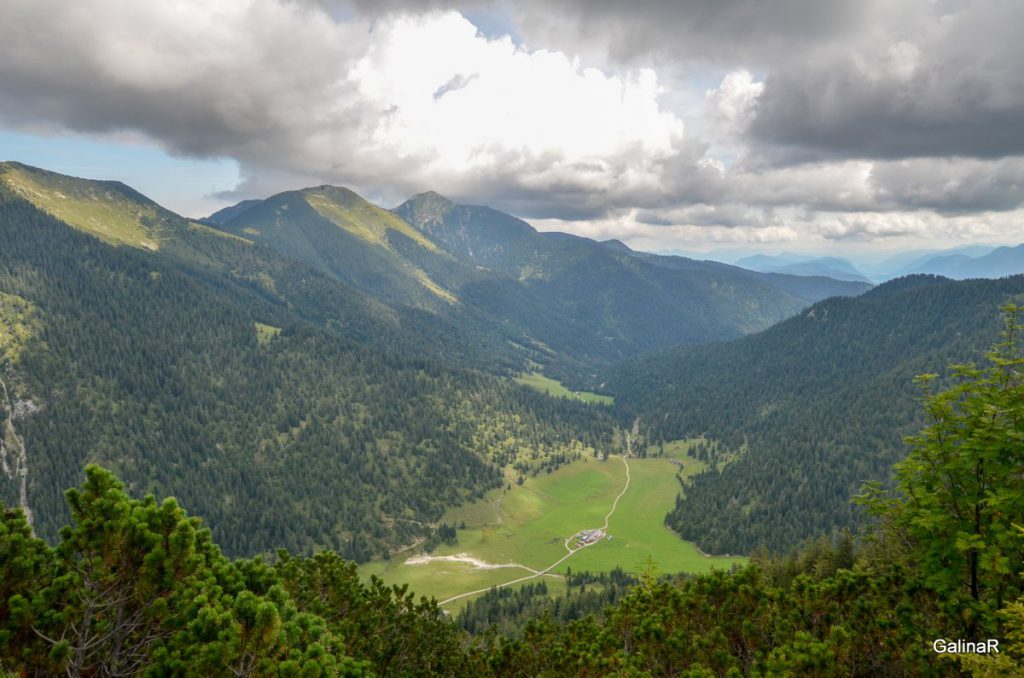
108	210
222	216
350	239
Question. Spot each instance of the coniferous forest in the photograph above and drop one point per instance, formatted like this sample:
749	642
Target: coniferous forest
136	586
511	338
805	412
194	382
254	423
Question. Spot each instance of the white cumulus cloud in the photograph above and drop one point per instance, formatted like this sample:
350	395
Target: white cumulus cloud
405	103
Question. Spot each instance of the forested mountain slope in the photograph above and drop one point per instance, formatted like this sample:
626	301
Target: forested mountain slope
817	404
809	288
569	305
136	586
293	409
314	328
626	302
335	231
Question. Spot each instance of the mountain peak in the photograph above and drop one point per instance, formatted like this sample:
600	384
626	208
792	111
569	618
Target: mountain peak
425	208
337	194
616	246
226	214
429	205
431	197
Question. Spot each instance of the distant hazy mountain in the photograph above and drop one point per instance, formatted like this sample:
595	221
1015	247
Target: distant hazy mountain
810	408
903	263
794	264
993	263
759	262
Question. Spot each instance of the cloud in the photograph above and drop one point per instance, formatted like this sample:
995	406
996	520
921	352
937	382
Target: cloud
735	99
950	186
402	105
692	30
841	80
721	215
869	226
224	79
700	120
628	225
948	87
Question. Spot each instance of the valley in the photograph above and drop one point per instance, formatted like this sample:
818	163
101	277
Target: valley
436	420
520	533
347	339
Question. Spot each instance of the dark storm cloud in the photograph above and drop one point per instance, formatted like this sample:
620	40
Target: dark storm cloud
726	216
948	186
706	30
949	86
842	79
846	79
392	107
144	72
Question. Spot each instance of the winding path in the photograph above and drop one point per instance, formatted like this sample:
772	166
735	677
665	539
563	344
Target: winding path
540	573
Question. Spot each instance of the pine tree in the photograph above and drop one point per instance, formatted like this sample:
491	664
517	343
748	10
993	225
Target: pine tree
961	490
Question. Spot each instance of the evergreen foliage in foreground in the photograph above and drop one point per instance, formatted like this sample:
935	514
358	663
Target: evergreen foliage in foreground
137	587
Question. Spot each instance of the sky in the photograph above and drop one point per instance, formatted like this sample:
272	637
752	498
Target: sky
843	127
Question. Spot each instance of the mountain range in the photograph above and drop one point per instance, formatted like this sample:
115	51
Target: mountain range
959	263
795	264
569	304
994	263
200	364
219	360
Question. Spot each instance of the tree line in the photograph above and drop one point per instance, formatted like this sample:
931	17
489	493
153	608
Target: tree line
136	586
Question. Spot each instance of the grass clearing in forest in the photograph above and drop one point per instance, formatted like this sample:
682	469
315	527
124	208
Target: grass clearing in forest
266	333
19	322
528	526
553	387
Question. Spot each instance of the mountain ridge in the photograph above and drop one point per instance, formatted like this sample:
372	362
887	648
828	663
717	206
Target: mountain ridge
223	383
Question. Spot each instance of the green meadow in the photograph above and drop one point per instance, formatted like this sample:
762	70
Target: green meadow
527	526
555	388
